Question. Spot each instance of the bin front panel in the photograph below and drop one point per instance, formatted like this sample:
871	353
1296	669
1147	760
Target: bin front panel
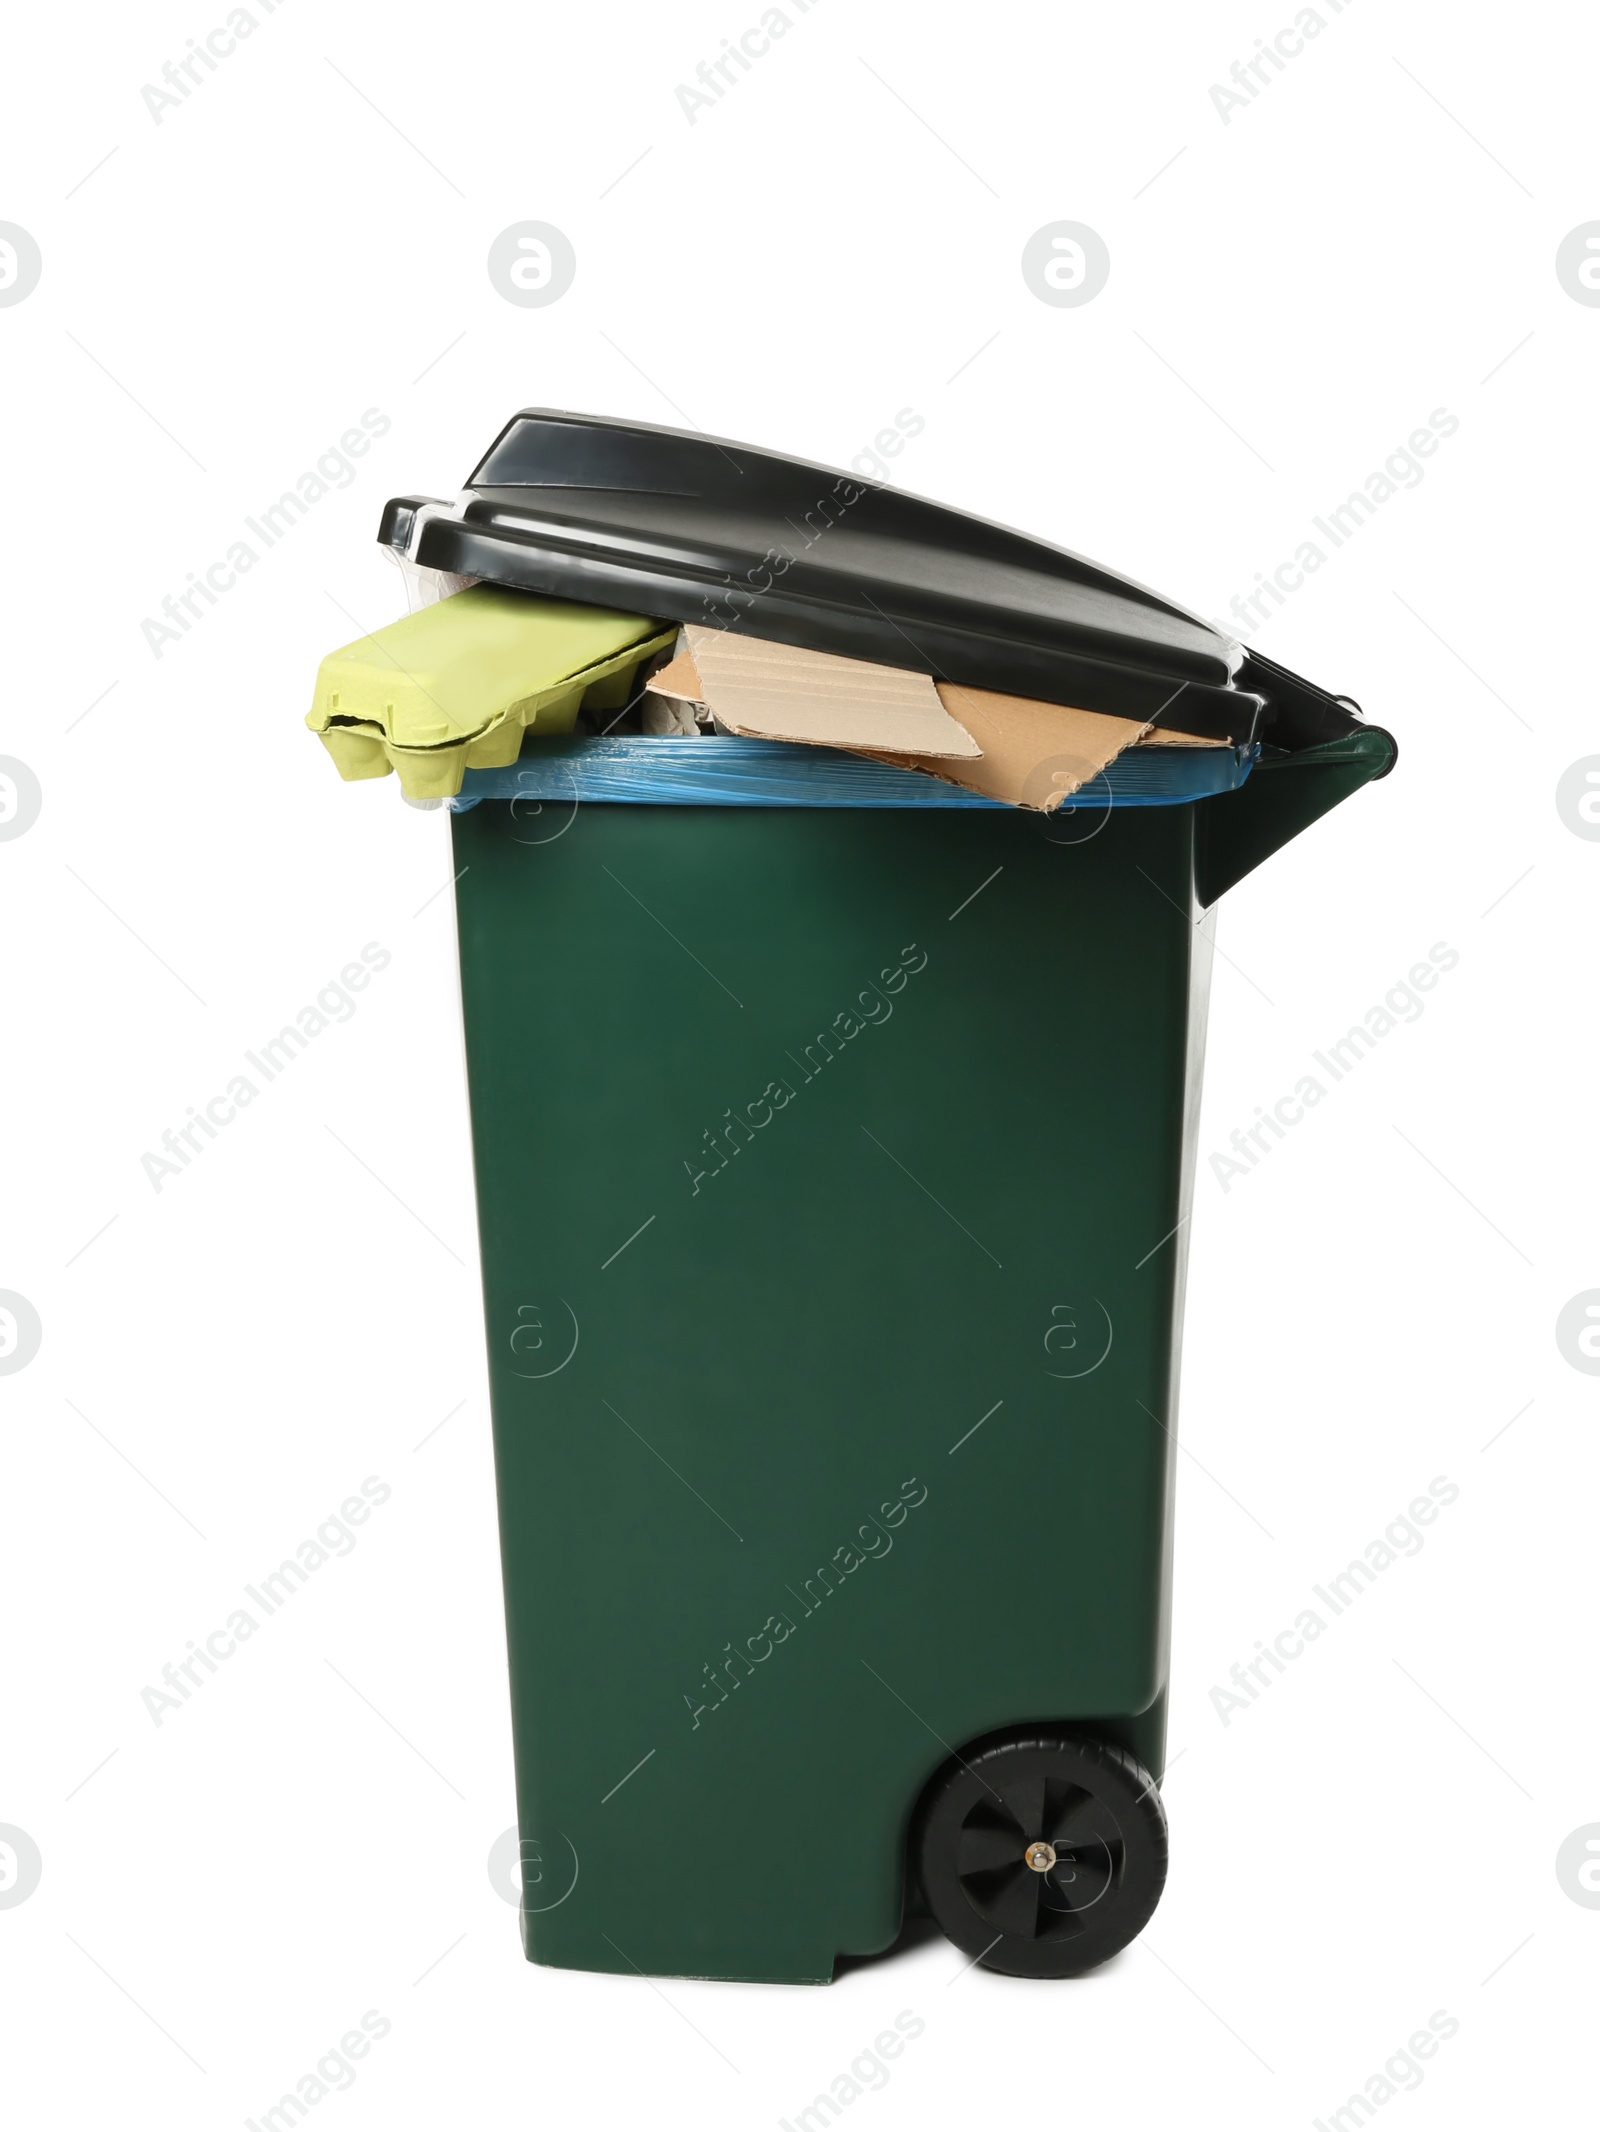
827	1166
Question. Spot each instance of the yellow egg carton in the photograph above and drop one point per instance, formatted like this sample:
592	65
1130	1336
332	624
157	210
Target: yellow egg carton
455	686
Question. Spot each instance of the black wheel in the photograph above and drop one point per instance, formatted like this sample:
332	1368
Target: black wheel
1041	1852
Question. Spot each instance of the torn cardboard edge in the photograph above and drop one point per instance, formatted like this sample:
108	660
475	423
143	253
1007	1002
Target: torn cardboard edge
1023	752
1035	755
767	691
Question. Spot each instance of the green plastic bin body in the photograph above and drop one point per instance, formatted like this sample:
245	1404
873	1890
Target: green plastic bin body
832	1170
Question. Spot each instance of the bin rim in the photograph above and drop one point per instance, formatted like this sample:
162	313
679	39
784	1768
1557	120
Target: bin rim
715	771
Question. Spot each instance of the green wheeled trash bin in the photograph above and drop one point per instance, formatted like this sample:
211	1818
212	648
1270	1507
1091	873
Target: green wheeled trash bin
835	1133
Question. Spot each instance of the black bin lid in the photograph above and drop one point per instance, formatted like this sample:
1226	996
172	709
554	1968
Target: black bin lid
668	523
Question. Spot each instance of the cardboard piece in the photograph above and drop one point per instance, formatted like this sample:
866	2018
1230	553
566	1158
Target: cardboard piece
678	678
1159	737
777	692
1034	755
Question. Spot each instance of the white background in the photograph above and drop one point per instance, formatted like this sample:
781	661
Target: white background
304	238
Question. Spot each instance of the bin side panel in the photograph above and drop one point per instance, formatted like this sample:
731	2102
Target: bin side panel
824	1164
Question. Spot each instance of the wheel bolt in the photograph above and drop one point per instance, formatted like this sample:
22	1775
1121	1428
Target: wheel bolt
1040	1856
